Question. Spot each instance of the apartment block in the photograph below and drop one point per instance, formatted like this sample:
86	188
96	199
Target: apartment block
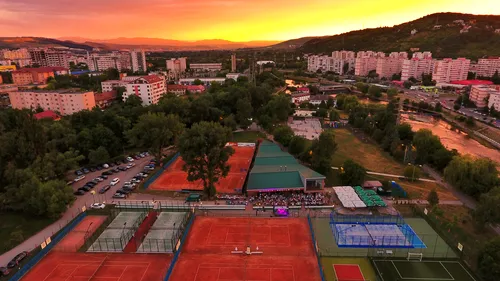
480	95
488	66
175	67
59	59
233	63
38	56
26	76
494	101
64	102
205	67
366	61
149	88
422	55
138	61
447	70
388	66
110	85
415	67
315	63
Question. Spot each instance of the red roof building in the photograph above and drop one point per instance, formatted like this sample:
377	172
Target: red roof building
105	99
472	82
47	114
303	90
195	88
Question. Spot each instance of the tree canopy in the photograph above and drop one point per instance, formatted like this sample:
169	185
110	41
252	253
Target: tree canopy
322	151
352	173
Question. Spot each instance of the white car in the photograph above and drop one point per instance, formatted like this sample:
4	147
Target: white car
97	206
131	183
79	178
105	166
130	159
114	181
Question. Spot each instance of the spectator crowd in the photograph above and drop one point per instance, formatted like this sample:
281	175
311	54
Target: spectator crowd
288	199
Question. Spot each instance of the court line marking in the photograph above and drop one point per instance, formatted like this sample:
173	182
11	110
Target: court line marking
121	275
397	270
196	275
98	266
378	271
416	278
462	268
447	270
147	268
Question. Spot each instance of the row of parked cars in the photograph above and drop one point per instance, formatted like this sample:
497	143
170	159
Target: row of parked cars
129	186
104	176
128	159
4	271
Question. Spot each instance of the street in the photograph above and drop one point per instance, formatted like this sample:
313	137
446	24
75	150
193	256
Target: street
83	200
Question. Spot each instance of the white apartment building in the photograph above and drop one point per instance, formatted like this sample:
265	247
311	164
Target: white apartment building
386	67
138	61
447	70
175	67
57	59
315	63
339	59
366	61
422	55
7	54
488	66
110	85
65	102
149	88
98	62
415	67
481	95
205	67
494	101
399	55
125	61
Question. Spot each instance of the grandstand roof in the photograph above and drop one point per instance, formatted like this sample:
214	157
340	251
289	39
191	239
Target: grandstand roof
275	169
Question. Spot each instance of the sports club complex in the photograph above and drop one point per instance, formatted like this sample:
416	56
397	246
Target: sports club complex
156	241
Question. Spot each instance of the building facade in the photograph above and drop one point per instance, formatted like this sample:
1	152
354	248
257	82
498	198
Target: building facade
447	70
488	66
98	62
38	56
415	67
205	67
494	101
480	95
366	61
300	97
176	67
233	63
138	59
59	59
149	88
26	76
315	63
110	85
64	102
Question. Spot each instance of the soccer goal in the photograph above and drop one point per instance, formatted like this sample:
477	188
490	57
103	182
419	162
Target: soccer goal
415	256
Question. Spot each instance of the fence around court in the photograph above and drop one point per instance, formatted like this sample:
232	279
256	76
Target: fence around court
166	244
158	173
41	252
315	246
178	247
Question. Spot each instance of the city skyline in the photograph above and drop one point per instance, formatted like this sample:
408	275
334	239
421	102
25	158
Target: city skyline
232	20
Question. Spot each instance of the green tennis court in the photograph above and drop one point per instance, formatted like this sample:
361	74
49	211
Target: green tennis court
403	270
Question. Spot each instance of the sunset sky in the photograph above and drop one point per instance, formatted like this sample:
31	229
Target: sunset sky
236	20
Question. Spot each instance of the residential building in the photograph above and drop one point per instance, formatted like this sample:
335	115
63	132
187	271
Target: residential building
38	75
4	68
233	63
204	80
341	58
317	99
138	61
110	85
125	61
205	67
479	95
448	70
233	76
7	54
178	90
488	66
366	61
47	114
175	67
59	59
303	90
315	63
195	88
422	55
415	67
494	101
300	97
388	66
98	62
105	99
64	102
38	56
149	88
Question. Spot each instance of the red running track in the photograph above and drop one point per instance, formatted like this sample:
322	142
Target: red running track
288	254
59	266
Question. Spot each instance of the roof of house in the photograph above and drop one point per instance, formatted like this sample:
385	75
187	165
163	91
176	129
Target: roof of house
176	87
149	78
105	96
47	114
195	88
472	82
41	69
371	184
320	97
303	89
298	95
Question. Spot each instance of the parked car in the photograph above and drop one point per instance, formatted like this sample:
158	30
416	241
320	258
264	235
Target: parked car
17	259
99	168
114	181
85	188
104	177
123	191
104	189
119	196
92	169
4	271
115	170
79	178
137	157
107	173
79	192
78	172
98	179
97	206
85	170
130	159
135	180
105	166
146	171
121	168
128	166
111	164
91	183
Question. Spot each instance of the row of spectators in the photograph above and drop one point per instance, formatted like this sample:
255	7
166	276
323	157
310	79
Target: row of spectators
289	199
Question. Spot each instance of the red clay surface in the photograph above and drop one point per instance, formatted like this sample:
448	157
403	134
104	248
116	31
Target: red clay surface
346	272
75	239
286	244
58	266
141	232
175	179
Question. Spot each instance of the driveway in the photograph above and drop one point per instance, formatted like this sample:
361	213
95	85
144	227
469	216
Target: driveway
83	200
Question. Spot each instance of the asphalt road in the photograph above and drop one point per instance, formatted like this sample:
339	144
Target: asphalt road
72	211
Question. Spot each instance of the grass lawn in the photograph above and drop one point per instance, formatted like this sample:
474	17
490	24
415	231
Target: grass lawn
370	156
248	136
22	226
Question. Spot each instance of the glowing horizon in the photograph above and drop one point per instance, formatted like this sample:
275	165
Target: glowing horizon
234	20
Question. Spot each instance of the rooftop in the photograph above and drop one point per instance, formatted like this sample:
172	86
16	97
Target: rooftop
105	96
41	69
472	82
47	114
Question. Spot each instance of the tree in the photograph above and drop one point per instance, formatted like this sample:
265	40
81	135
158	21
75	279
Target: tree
345	68
352	173
496	78
396	76
438	107
204	151
243	112
392	92
334	115
155	131
473	176
470	122
375	92
362	87
405	132
489	260
99	156
433	198
322	112
411	172
133	101
283	135
298	145
197	82
426	144
323	150
456	106
488	208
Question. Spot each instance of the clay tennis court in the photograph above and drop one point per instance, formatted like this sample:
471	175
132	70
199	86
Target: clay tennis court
287	251
59	266
75	239
175	179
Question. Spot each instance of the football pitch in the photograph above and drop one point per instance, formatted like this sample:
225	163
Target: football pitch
403	270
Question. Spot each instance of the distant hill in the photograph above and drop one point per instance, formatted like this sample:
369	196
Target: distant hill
144	42
293	43
33	42
438	33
